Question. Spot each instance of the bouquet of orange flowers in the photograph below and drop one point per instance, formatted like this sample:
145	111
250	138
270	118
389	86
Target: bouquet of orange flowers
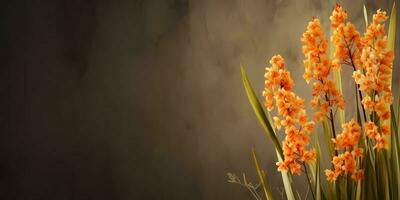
364	151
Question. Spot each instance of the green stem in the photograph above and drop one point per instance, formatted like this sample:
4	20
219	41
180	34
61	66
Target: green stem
308	180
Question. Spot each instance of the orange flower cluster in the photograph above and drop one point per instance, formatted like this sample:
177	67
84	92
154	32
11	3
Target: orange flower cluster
338	17
346	162
278	91
372	132
345	38
374	74
318	66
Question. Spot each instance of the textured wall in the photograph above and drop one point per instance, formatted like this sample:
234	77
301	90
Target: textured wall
142	99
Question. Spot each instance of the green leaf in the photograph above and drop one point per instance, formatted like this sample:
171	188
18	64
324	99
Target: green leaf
369	183
358	191
365	16
382	176
330	191
395	129
395	163
392	42
261	176
259	111
394	142
337	77
392	28
328	137
320	195
342	188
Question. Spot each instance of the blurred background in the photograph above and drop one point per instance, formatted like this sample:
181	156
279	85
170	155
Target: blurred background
143	99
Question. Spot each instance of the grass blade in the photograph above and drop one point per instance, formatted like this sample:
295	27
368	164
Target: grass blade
328	137
261	176
393	143
382	176
365	16
337	76
370	185
320	195
392	28
395	163
391	45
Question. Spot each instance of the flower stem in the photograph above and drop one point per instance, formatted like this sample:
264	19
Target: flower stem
358	86
331	120
360	96
308	180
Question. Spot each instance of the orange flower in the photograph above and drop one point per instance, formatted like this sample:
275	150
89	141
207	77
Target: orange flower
345	37
309	155
277	123
350	163
302	117
318	66
373	75
368	103
358	152
292	116
381	143
338	17
331	176
346	162
358	175
350	135
385	128
357	75
295	168
282	166
371	130
309	126
269	102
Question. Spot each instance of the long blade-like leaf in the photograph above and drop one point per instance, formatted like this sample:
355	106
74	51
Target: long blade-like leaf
392	155
262	118
261	176
365	16
320	195
392	28
382	176
395	162
370	183
391	45
327	133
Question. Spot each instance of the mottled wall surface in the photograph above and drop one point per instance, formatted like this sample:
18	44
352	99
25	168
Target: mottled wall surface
143	99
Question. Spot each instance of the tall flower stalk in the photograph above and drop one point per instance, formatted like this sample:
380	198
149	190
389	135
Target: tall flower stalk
318	67
291	116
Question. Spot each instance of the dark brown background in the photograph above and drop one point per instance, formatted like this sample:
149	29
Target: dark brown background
142	99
